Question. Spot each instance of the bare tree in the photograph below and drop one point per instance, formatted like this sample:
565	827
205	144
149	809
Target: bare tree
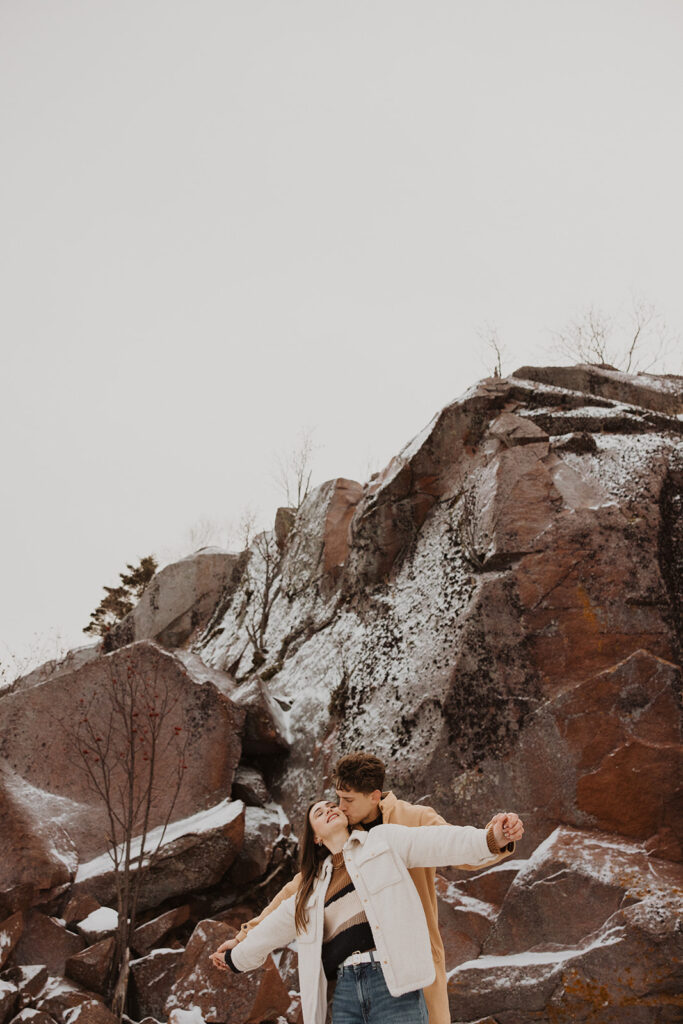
263	583
120	739
635	341
294	470
472	540
204	532
494	349
246	527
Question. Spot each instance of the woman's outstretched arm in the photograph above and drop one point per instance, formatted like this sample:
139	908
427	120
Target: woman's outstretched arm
274	932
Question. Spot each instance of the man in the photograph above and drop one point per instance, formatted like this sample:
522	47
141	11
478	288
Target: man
359	781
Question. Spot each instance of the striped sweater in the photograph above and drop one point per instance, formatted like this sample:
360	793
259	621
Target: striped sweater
346	929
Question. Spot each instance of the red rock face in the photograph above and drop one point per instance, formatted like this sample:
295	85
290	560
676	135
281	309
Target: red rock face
150	934
647	391
602	755
498	614
10	933
223	996
45	941
153	977
92	967
345	497
60	996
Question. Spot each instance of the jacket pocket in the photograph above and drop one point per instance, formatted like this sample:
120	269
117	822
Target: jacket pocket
380	870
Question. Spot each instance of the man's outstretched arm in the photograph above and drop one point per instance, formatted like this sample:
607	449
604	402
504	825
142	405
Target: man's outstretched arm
429	816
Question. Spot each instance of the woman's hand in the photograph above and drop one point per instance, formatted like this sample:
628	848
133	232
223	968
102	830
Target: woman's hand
507	827
218	959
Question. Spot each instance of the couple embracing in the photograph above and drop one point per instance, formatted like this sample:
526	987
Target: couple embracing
363	907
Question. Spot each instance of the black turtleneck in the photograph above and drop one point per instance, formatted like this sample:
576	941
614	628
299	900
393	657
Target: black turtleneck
371	824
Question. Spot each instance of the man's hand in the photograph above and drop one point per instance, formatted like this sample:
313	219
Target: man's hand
507	827
218	959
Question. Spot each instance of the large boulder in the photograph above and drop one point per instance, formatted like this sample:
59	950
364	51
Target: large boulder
30	1016
92	967
180	599
153	977
45	940
223	996
589	926
190	854
197	730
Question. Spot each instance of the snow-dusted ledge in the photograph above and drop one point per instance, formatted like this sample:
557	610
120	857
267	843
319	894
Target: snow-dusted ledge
204	821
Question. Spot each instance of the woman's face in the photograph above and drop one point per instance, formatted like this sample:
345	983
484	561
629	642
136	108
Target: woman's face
326	819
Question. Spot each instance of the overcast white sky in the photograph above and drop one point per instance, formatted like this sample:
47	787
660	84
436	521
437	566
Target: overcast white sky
221	222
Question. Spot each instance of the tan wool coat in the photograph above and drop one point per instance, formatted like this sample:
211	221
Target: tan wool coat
399	812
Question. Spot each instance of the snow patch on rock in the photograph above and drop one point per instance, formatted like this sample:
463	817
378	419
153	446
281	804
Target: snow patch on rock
204	821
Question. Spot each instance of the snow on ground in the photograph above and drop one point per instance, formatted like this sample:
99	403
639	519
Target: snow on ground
607	860
82	1012
157	952
622	464
204	821
191	1016
56	986
104	919
550	958
458	900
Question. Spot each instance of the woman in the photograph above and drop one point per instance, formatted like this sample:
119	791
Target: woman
357	916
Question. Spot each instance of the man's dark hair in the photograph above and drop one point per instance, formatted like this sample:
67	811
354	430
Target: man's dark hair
359	771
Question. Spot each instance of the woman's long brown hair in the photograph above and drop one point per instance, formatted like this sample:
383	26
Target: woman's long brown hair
310	861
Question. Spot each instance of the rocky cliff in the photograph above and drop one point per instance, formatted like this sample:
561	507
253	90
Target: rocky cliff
498	614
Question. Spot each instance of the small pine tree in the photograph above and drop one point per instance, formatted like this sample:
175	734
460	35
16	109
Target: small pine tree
120	600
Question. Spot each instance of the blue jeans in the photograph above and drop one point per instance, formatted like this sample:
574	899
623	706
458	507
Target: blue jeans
362	997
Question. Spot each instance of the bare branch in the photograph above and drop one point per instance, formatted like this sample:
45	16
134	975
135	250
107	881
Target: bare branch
635	341
494	348
294	470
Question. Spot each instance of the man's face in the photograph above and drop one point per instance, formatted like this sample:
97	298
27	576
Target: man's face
359	807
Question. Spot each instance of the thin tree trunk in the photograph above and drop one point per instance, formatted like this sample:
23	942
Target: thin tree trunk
118	1002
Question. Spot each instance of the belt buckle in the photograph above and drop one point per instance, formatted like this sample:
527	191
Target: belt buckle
356	958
